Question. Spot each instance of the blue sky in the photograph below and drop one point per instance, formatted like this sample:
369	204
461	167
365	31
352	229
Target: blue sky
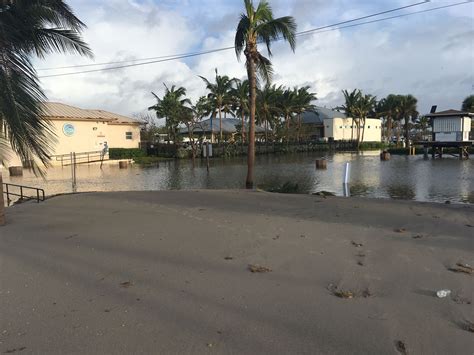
429	55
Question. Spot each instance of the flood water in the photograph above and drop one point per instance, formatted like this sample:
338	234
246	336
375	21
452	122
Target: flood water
403	177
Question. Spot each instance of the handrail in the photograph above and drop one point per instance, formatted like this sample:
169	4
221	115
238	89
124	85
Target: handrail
40	195
93	156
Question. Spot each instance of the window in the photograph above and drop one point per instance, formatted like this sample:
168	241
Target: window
368	127
340	127
128	135
94	128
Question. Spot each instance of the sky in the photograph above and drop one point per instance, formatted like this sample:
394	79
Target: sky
429	55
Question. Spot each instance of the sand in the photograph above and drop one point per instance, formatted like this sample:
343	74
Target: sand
168	272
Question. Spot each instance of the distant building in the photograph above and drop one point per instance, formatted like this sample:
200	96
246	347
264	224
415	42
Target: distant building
337	126
85	131
451	126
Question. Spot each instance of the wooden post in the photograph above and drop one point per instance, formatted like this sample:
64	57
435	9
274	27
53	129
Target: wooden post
123	164
321	164
385	156
2	203
433	152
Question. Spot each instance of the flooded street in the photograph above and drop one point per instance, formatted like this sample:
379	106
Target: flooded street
403	177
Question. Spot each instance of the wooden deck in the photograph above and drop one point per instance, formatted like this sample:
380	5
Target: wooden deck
437	148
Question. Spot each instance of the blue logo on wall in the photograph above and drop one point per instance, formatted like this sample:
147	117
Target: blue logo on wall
68	129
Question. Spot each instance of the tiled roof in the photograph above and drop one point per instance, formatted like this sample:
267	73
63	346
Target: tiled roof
320	114
59	110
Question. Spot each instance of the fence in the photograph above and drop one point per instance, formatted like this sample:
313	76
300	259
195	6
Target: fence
81	158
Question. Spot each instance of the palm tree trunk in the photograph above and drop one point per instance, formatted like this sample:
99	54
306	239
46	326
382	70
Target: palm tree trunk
253	103
363	132
2	203
220	125
407	132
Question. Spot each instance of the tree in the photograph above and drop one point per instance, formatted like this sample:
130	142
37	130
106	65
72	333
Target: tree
288	106
173	106
31	28
358	106
219	95
257	25
192	118
387	108
240	100
468	104
303	100
351	99
407	111
267	106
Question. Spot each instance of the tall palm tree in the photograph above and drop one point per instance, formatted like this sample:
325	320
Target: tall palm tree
468	104
388	108
407	110
365	107
173	106
268	108
303	99
351	99
240	99
288	106
31	28
219	95
257	25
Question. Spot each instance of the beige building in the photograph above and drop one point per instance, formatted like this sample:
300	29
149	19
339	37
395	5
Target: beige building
85	132
342	128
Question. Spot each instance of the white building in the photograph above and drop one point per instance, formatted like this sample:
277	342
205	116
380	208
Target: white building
346	129
451	126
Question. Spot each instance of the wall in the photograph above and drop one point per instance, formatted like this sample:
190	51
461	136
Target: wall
116	136
340	129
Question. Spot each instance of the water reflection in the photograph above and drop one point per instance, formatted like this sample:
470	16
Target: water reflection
402	177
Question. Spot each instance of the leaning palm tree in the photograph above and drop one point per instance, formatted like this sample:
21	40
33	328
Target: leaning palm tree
31	28
351	99
257	25
219	95
304	102
288	106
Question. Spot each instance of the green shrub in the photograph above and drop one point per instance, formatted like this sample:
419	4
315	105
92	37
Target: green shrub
126	153
372	145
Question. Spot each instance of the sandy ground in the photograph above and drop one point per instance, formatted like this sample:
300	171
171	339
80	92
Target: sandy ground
167	272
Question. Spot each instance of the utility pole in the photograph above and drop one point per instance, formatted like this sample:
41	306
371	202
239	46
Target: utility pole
2	203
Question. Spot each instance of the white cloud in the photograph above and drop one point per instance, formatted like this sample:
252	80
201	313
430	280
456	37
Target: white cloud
429	55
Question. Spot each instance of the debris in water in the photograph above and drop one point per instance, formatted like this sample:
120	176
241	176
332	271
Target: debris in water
276	237
400	230
15	350
469	225
418	236
357	245
468	326
126	284
259	269
229	258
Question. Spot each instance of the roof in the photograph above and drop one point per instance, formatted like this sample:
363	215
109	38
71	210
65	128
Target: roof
228	126
453	113
320	114
59	110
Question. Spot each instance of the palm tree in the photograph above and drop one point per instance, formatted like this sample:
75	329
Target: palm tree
240	100
219	95
173	107
387	108
192	117
31	28
351	100
257	25
303	100
468	104
365	106
288	106
267	104
408	112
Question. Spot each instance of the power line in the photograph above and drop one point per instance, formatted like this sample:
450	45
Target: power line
303	33
189	54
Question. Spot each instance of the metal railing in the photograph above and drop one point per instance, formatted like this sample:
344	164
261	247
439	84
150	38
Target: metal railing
85	157
19	191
